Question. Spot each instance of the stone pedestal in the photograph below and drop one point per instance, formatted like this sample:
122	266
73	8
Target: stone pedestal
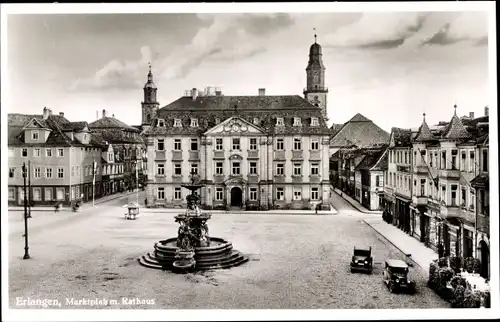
184	260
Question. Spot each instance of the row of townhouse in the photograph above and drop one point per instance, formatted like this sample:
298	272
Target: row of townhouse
64	161
437	185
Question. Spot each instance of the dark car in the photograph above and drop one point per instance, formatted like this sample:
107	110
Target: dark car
396	276
362	260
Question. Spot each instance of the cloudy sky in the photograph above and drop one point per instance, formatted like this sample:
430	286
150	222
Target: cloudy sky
391	67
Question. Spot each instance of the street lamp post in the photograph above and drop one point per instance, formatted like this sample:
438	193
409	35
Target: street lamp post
137	179
94	168
26	248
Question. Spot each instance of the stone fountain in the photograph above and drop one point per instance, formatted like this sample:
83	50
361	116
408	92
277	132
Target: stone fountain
193	248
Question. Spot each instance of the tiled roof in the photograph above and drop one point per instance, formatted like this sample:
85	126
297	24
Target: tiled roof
402	137
335	128
75	126
111	122
424	133
117	136
16	119
370	160
361	132
456	130
267	109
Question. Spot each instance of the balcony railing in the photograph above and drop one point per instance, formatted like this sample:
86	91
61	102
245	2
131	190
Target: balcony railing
279	155
420	200
454	210
315	155
219	155
160	156
297	155
279	178
316	89
449	173
421	169
194	155
296	179
253	154
176	155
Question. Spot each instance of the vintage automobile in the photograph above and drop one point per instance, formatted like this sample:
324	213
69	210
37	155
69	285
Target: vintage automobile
132	210
362	260
395	276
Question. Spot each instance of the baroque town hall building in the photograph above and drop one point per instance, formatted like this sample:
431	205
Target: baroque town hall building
259	152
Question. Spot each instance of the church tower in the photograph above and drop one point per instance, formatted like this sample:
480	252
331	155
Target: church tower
149	105
315	91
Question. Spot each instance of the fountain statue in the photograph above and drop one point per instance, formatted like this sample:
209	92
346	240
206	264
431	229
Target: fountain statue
193	248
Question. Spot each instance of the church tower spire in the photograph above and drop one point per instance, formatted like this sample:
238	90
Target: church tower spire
316	92
149	105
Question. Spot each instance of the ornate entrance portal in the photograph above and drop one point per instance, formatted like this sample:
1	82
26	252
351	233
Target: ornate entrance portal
236	197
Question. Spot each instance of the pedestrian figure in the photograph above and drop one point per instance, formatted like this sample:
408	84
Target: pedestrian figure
440	250
57	207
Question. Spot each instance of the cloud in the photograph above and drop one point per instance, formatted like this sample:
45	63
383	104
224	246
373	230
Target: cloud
225	37
378	31
470	26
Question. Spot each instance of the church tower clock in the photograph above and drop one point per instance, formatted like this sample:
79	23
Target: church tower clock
149	105
315	91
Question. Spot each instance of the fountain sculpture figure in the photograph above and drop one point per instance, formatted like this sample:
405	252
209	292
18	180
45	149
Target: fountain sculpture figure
194	248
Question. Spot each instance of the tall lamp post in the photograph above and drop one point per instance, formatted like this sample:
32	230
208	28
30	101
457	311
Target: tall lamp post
26	248
94	168
137	179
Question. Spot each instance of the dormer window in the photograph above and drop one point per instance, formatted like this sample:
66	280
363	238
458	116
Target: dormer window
256	121
161	123
34	135
296	121
279	121
314	121
194	122
177	123
217	120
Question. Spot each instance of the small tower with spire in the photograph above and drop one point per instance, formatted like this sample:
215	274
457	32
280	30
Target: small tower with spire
316	92
150	105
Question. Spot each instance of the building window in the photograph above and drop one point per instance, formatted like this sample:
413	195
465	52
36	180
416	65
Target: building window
472	162
37	173
160	169
160	145
280	194
86	170
48	173
177	123
422	187
280	169
177	194
464	197
219	194
219	168
463	161
161	123
12	172
296	121
24	153
297	144
253	167
253	194
60	152
377	181
177	169
36	152
48	194
60	173
34	135
314	145
443	160
485	160
280	144
194	144
37	194
161	194
297	193
279	121
454	159
472	199
256	121
297	169
60	193
454	195
194	122
315	193
314	169
194	168
236	168
253	144
314	121
177	145
11	153
218	144
236	143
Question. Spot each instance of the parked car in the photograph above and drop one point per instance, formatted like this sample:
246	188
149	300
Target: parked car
362	260
396	278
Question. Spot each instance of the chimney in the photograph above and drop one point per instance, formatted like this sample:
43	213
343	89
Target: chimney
194	94
61	114
50	112
103	113
486	111
471	115
45	113
262	92
113	116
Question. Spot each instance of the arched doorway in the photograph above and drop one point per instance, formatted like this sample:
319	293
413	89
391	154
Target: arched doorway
236	197
485	259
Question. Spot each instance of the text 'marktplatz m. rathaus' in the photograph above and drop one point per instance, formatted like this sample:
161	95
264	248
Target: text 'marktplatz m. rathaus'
260	151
